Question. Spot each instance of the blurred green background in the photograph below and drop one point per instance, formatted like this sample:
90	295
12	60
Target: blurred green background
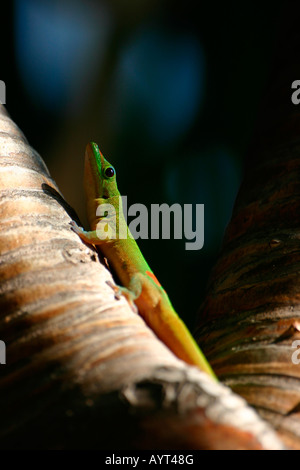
169	90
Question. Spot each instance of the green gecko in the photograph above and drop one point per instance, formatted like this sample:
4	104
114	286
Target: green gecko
139	284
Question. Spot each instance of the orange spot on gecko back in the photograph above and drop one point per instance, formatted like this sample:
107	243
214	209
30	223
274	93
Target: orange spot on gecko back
150	274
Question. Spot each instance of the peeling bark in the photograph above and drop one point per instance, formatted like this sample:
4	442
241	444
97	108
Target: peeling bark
84	371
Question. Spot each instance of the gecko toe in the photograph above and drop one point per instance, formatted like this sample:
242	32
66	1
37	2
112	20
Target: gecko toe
123	292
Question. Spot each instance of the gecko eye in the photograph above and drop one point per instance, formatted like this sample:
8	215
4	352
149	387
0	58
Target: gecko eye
109	172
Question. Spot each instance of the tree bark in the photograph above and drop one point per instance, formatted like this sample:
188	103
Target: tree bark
250	316
82	370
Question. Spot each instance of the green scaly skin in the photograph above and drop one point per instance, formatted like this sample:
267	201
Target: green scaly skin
139	284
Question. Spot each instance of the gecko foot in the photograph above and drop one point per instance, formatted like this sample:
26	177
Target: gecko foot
75	227
122	291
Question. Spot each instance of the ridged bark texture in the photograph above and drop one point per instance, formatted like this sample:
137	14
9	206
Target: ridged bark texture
251	315
82	370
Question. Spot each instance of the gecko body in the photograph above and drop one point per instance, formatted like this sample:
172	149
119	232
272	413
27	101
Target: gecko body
139	284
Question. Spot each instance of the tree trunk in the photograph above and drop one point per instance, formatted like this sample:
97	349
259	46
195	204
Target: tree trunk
250	317
82	370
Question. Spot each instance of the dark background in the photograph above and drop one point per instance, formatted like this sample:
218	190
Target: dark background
169	90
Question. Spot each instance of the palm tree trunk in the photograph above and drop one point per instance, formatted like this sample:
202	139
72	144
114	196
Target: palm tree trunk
82	370
250	317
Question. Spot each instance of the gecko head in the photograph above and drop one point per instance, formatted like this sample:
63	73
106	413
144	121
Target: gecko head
100	175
